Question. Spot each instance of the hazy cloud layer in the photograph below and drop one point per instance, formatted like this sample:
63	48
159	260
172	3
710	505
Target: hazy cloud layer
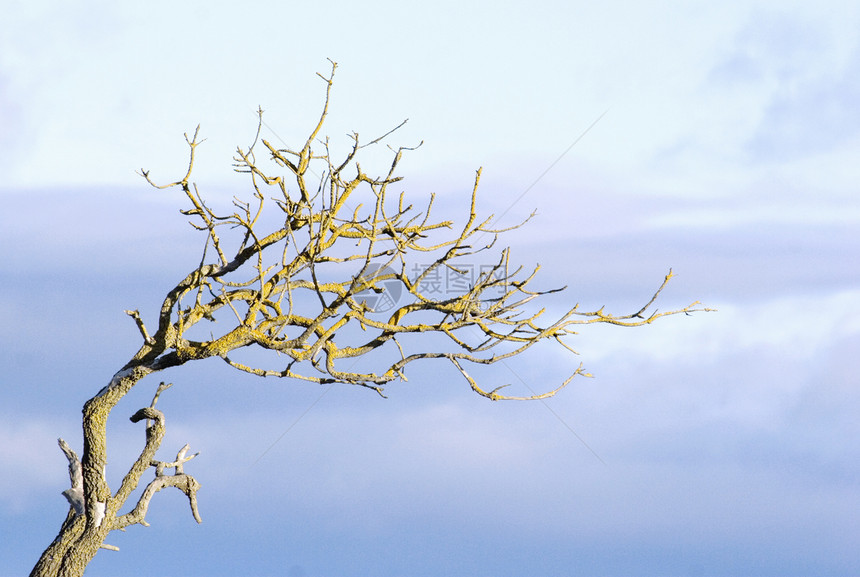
720	443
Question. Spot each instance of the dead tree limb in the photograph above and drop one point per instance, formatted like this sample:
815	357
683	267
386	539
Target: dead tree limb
296	267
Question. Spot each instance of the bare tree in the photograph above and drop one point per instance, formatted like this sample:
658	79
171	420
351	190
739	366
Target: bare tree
294	269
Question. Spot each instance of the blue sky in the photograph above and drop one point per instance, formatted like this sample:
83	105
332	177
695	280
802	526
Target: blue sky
716	444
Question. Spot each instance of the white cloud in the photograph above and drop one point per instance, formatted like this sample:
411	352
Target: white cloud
799	326
801	211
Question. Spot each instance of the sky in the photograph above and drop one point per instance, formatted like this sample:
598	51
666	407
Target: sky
718	139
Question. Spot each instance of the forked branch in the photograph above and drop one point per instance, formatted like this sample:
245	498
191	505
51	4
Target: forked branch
348	220
179	479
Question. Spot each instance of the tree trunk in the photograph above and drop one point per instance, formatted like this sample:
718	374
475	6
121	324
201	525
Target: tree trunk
83	533
71	551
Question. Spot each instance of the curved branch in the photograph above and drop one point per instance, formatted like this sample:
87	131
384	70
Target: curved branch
494	396
154	435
